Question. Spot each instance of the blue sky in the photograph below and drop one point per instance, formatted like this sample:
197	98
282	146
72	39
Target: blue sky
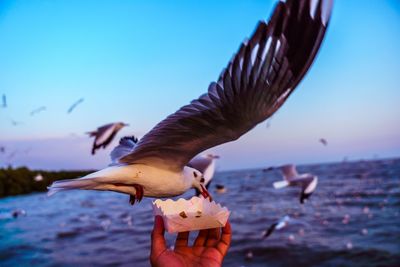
139	61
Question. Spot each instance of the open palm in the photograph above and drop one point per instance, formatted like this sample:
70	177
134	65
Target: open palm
209	248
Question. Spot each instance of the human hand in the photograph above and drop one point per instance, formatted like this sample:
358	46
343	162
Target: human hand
209	248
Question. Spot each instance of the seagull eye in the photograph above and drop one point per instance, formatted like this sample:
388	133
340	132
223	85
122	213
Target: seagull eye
195	174
202	180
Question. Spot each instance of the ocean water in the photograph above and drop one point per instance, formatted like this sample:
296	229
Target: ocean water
353	219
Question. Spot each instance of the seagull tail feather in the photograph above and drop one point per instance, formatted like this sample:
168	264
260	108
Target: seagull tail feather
114	178
62	185
280	184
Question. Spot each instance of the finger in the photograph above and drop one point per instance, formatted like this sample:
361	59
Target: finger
158	244
225	241
201	238
213	237
182	239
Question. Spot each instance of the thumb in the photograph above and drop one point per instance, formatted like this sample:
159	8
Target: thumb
158	244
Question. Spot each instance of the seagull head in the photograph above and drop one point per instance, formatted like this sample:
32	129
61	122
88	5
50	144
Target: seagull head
196	180
120	125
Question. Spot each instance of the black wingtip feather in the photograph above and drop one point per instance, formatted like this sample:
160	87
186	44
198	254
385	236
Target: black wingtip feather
131	138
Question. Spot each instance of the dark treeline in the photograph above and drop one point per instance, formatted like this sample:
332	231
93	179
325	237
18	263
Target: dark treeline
21	180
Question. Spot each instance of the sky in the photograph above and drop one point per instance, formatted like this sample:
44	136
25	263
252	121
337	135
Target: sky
139	61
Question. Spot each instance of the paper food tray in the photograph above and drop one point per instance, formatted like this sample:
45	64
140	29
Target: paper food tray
189	215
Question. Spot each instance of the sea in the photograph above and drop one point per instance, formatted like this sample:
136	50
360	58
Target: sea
352	219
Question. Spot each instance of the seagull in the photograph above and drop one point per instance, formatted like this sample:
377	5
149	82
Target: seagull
203	163
37	110
206	165
4	101
220	189
307	181
105	134
278	225
74	105
255	84
16	123
38	178
18	212
323	141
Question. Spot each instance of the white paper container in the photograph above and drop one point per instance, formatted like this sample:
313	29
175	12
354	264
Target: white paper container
190	215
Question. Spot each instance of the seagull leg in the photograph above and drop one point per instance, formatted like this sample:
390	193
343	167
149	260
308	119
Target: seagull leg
132	199
139	192
138	195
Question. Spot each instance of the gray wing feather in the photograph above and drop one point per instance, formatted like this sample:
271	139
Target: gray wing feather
200	163
256	82
126	146
289	172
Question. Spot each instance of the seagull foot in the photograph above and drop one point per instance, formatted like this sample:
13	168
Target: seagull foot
138	195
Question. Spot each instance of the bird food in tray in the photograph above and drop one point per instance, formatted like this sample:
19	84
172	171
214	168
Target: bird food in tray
189	215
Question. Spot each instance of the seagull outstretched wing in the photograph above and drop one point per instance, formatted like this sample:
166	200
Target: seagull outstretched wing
289	172
254	85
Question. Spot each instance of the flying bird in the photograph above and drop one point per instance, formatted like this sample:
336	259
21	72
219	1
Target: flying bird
16	123
255	84
37	110
323	141
105	134
280	224
38	177
206	165
307	181
4	101
74	105
220	189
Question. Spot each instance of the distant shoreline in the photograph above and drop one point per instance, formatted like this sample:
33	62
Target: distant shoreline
21	181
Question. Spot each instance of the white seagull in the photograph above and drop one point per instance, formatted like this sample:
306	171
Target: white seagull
38	178
206	165
307	181
255	84
280	224
105	134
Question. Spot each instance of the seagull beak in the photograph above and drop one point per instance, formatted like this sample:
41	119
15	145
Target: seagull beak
205	193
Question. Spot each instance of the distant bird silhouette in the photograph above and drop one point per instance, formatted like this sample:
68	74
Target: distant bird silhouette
105	134
12	155
307	181
74	105
18	212
37	110
16	123
2	149
206	165
4	101
283	222
323	141
269	169
220	189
